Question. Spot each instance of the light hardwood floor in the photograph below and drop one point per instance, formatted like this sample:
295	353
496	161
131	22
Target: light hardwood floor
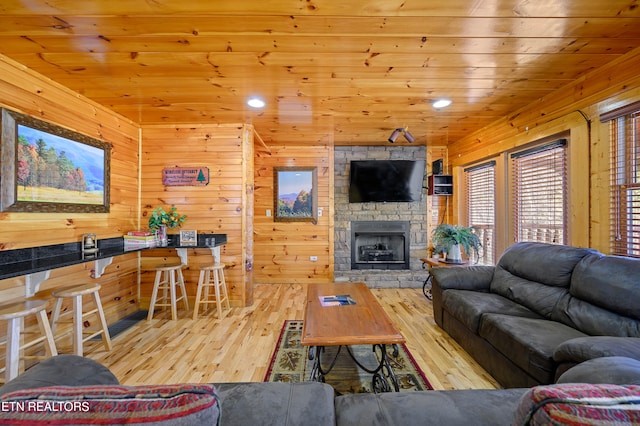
238	347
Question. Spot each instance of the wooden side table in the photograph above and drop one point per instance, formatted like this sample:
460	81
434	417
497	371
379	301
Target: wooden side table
428	263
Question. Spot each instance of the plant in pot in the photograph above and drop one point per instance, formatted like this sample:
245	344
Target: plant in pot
451	238
160	220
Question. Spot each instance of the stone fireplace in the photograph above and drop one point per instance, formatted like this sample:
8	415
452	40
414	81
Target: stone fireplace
377	271
380	245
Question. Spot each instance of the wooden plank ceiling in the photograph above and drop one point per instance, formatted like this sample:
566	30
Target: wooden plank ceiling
343	72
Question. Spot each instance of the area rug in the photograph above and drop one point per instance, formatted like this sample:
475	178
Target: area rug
290	363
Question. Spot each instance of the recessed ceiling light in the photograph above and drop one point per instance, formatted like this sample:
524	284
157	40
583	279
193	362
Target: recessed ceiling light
255	103
441	103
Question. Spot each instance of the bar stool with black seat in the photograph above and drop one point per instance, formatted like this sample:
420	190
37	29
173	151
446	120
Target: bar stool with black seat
211	276
15	313
168	277
76	292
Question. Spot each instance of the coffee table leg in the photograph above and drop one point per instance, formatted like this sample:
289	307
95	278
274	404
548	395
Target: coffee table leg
317	372
384	377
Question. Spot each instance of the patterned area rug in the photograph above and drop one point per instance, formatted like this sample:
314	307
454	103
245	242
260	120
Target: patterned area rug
290	363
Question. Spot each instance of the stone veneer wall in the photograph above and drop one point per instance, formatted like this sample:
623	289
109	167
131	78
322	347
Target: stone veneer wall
345	212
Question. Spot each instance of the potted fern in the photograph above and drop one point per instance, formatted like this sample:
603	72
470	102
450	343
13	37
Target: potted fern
450	238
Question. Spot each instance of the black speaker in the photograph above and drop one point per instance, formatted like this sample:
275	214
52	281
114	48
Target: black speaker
436	167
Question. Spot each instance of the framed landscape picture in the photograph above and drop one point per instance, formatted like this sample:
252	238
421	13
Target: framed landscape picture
296	194
46	168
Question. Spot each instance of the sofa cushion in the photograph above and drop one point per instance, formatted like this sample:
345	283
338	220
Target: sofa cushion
603	297
536	275
62	370
451	408
615	370
527	342
594	320
468	306
182	404
276	403
538	297
609	282
585	348
549	264
579	403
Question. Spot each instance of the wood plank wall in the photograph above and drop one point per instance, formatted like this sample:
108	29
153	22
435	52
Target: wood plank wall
282	249
574	108
219	207
439	207
27	92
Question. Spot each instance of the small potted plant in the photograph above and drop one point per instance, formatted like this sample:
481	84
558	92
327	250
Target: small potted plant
450	238
160	220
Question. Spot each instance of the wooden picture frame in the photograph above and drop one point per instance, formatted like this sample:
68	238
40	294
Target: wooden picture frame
47	168
295	194
188	237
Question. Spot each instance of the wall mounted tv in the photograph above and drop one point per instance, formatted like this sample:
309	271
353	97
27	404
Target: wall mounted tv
386	180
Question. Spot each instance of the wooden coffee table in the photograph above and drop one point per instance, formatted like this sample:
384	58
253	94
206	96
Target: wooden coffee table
363	323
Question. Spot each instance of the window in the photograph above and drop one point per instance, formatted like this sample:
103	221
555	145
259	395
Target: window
625	185
539	197
481	209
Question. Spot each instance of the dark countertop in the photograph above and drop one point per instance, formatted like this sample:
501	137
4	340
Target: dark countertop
18	262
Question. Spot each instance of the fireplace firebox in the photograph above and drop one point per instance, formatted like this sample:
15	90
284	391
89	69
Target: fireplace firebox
380	244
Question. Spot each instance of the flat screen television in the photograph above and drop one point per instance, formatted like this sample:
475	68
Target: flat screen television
386	180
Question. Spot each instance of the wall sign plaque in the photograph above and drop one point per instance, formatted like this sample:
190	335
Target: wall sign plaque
185	176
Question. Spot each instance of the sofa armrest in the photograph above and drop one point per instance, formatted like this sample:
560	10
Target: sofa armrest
62	370
476	278
617	370
583	349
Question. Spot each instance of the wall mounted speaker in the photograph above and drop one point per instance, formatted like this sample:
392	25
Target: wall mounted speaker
436	167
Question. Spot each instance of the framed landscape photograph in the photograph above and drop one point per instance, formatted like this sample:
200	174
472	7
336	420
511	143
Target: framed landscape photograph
46	168
296	194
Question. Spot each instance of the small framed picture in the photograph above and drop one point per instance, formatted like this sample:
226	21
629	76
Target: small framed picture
296	194
189	238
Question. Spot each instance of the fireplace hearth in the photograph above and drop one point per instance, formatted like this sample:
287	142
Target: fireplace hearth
380	245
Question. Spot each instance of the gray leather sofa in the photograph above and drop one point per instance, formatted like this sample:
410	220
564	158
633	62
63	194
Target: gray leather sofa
541	310
308	403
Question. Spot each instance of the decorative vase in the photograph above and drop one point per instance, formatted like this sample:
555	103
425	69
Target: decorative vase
454	255
161	235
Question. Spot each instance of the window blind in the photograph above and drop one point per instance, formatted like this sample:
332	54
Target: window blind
625	185
539	182
481	209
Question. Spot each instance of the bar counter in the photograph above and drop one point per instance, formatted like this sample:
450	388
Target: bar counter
35	262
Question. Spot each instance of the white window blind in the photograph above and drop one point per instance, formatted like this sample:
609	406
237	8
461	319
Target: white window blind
540	193
481	207
625	185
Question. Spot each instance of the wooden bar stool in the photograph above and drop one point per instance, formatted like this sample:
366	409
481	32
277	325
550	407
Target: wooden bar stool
167	281
14	313
76	292
211	276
